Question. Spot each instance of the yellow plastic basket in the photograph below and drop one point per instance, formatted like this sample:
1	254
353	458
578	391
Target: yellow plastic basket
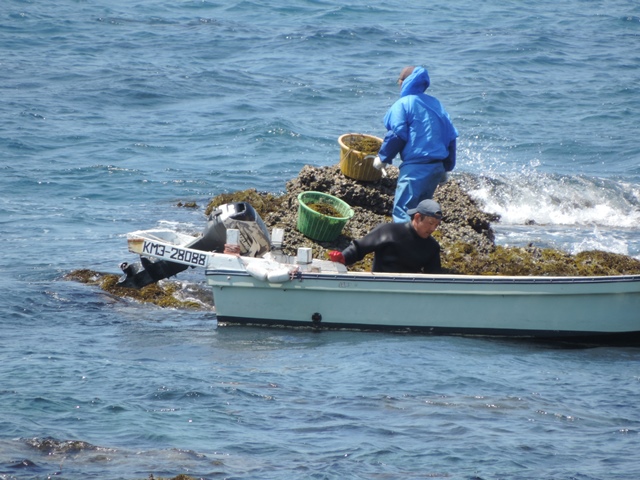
352	161
317	226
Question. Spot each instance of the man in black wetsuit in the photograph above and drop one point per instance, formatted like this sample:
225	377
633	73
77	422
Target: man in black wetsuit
400	247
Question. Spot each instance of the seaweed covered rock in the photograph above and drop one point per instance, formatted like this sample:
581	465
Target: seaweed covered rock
165	293
527	261
372	202
465	235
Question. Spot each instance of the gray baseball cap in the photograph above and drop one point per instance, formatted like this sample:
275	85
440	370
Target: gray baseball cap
429	208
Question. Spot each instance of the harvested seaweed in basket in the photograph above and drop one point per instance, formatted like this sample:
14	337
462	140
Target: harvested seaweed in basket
366	145
324	209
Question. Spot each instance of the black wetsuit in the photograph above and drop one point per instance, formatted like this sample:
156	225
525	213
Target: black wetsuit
398	249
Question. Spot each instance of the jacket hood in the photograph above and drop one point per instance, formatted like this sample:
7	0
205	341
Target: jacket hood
416	83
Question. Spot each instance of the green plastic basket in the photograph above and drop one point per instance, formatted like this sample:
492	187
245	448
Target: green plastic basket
317	226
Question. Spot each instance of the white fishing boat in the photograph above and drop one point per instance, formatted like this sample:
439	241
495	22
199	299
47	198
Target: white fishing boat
301	291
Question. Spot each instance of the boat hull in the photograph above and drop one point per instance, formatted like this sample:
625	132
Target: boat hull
540	307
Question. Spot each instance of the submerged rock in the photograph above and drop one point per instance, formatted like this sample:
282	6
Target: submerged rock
165	293
182	476
52	446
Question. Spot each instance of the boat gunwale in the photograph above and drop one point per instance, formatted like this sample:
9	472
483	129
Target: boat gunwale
444	278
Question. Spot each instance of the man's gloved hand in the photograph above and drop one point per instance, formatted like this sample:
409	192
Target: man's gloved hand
445	178
336	256
377	163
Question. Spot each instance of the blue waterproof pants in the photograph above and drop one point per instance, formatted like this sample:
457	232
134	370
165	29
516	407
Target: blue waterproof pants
416	182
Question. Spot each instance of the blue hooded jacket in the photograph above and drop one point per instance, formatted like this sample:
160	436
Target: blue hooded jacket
418	126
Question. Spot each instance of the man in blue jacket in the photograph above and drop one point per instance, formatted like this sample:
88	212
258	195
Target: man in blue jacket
420	130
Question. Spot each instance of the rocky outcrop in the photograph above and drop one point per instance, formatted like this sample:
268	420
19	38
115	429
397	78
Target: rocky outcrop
372	202
465	235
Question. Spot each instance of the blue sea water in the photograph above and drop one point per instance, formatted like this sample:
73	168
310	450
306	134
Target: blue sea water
113	112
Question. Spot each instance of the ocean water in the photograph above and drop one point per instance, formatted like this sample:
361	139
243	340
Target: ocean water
112	113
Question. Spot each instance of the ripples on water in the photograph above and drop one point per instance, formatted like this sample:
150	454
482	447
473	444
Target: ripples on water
112	114
167	390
